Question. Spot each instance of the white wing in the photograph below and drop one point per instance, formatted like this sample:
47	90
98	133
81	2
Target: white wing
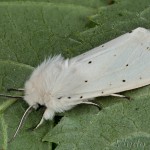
119	65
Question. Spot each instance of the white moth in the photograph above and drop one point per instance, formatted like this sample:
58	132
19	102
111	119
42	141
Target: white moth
119	65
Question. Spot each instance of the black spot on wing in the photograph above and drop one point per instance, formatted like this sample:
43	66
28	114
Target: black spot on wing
123	80
89	62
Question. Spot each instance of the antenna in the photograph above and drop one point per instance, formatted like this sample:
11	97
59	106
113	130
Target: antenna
14	89
10	96
26	113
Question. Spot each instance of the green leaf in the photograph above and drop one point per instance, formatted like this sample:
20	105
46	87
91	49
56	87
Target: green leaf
39	30
120	126
31	31
3	133
116	20
87	3
137	141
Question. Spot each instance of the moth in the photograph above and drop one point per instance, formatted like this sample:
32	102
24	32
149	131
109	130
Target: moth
119	65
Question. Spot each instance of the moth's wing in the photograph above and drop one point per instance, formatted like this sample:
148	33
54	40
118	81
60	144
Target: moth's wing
118	68
109	46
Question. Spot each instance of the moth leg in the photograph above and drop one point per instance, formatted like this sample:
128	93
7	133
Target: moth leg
118	95
48	115
40	123
94	104
14	89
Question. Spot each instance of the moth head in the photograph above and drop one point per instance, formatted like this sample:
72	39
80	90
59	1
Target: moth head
35	89
31	94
